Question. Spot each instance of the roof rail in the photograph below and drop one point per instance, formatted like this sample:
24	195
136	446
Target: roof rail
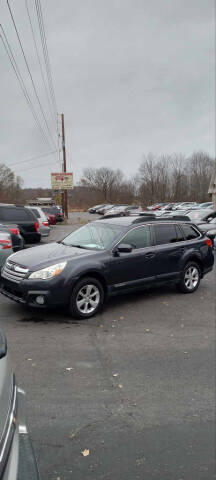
178	218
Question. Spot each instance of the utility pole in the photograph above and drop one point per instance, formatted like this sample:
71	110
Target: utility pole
64	169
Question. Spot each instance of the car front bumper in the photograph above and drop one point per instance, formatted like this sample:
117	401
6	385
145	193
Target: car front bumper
21	463
55	291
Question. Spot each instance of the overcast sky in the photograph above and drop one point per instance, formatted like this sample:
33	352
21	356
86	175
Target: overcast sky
131	77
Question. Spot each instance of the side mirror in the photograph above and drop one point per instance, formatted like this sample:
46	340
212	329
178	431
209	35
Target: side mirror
123	248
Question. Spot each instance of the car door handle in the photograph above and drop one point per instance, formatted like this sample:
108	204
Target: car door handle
149	255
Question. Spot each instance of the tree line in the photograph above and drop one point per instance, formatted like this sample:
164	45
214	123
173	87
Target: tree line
160	178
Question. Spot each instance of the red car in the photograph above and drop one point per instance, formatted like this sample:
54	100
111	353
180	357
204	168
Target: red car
51	218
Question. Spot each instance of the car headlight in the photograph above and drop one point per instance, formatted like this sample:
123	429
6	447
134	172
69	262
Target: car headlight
49	272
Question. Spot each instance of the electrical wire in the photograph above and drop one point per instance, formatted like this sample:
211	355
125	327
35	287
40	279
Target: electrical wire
45	53
32	158
22	84
40	65
39	13
29	71
36	166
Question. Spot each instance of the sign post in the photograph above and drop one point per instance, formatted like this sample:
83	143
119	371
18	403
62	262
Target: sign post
63	182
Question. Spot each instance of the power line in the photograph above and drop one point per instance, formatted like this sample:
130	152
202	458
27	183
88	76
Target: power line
36	166
45	53
29	71
21	82
39	61
32	158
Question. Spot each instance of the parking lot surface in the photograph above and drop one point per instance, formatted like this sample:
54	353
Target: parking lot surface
128	394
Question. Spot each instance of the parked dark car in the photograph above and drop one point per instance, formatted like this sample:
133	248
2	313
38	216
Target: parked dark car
54	211
24	219
105	258
16	237
17	459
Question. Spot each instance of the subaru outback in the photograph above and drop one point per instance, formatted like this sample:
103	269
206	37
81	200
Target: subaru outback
107	257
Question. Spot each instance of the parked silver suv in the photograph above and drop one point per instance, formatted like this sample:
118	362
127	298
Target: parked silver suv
17	460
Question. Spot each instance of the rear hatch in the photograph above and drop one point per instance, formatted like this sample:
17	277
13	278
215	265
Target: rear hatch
22	216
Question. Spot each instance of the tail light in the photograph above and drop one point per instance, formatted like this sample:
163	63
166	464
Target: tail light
46	224
5	244
36	226
15	231
208	242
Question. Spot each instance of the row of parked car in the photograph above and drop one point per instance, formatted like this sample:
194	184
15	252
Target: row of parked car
202	214
108	209
21	225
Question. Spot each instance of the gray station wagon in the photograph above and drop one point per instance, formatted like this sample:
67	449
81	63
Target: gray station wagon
17	460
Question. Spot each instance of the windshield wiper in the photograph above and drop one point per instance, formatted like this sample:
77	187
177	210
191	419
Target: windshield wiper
77	246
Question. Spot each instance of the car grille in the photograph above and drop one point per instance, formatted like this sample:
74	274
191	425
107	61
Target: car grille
14	272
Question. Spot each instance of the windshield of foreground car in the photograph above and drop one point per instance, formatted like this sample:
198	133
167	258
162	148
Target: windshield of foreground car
94	236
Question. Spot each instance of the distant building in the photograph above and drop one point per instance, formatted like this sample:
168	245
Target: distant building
212	188
42	201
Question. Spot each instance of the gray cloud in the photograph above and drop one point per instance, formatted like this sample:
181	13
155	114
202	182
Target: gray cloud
130	76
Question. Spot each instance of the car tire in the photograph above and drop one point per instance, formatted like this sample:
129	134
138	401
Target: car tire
88	288
190	278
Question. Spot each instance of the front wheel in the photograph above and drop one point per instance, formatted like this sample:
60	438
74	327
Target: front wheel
190	279
87	298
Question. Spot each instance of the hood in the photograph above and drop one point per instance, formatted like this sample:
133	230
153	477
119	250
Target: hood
42	256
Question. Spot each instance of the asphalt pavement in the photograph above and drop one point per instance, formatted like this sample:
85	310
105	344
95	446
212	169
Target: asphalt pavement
128	394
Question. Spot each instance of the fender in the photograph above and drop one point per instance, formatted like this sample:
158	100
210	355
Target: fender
188	254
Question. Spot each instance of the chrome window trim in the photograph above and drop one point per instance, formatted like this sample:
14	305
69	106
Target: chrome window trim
9	430
135	228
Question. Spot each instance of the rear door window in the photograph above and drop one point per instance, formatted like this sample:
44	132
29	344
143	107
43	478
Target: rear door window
165	234
180	234
190	232
140	237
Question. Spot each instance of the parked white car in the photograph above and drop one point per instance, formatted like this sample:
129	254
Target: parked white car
44	227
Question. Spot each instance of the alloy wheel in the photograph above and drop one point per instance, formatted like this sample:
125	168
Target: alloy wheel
88	299
191	278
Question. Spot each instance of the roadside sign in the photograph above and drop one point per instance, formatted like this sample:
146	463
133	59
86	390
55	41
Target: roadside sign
62	181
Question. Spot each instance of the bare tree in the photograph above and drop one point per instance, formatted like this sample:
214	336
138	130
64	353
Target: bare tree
104	180
10	185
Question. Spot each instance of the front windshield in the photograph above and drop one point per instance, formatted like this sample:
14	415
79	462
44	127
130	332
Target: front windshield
213	220
98	236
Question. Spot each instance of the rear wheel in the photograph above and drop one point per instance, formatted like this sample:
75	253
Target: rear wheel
87	298
190	279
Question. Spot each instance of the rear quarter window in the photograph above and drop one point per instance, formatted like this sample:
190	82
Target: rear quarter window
190	232
16	214
35	212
